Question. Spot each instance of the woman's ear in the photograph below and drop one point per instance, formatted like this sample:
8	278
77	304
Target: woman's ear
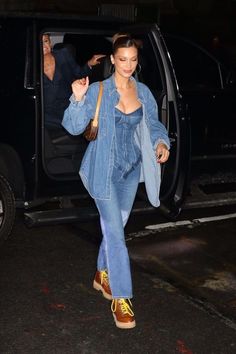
112	59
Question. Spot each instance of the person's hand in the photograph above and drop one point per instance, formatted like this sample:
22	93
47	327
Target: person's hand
95	59
80	87
162	153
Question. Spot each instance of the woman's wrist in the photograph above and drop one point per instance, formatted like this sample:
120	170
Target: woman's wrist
78	98
163	142
162	145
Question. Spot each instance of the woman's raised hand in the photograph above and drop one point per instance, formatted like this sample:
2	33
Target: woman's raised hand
80	87
95	59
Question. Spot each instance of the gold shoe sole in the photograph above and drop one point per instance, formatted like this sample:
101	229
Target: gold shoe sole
99	287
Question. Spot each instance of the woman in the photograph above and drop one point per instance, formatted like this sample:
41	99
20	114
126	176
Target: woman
130	146
60	70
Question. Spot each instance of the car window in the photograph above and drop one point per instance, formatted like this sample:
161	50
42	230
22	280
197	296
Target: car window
194	68
148	59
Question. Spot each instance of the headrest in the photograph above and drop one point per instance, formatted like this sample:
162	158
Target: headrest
68	46
101	71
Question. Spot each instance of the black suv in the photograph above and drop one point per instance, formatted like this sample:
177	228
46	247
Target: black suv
39	171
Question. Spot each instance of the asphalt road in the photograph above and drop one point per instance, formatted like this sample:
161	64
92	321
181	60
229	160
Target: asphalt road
184	281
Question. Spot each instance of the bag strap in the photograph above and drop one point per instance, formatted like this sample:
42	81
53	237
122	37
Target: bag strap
95	119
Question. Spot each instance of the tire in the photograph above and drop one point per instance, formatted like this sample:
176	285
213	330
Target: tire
7	209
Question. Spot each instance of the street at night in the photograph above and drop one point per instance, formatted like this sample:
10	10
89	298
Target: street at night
184	280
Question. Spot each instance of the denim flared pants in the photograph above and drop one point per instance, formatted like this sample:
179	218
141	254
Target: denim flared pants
114	214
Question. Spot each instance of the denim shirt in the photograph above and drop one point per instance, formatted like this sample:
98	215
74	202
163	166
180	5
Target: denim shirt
97	164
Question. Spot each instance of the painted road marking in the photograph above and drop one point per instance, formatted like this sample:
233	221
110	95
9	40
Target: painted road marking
152	229
190	222
168	225
216	218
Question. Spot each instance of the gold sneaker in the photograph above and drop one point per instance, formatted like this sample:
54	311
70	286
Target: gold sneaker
123	313
101	283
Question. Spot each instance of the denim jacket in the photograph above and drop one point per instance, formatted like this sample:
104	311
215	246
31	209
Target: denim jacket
97	164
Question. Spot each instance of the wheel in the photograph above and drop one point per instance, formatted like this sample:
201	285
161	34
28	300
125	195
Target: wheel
7	209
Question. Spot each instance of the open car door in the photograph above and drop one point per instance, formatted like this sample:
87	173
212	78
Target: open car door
158	74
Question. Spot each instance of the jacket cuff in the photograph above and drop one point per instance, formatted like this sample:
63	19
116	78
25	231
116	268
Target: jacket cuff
161	141
75	102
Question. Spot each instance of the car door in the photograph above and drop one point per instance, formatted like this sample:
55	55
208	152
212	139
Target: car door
157	73
211	100
222	125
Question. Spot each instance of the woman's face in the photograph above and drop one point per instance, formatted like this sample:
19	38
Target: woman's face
125	61
46	44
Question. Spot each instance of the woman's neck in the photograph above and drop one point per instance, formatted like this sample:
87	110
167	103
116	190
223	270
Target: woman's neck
122	82
48	56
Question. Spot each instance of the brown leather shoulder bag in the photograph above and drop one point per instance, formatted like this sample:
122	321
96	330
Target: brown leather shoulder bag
91	130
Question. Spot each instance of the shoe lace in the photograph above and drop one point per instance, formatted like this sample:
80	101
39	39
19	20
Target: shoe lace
104	277
125	306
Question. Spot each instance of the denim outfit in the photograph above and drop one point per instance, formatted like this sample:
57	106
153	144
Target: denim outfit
114	213
122	156
97	165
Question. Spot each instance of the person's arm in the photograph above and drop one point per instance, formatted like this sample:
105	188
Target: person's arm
85	70
95	60
158	132
81	108
78	71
